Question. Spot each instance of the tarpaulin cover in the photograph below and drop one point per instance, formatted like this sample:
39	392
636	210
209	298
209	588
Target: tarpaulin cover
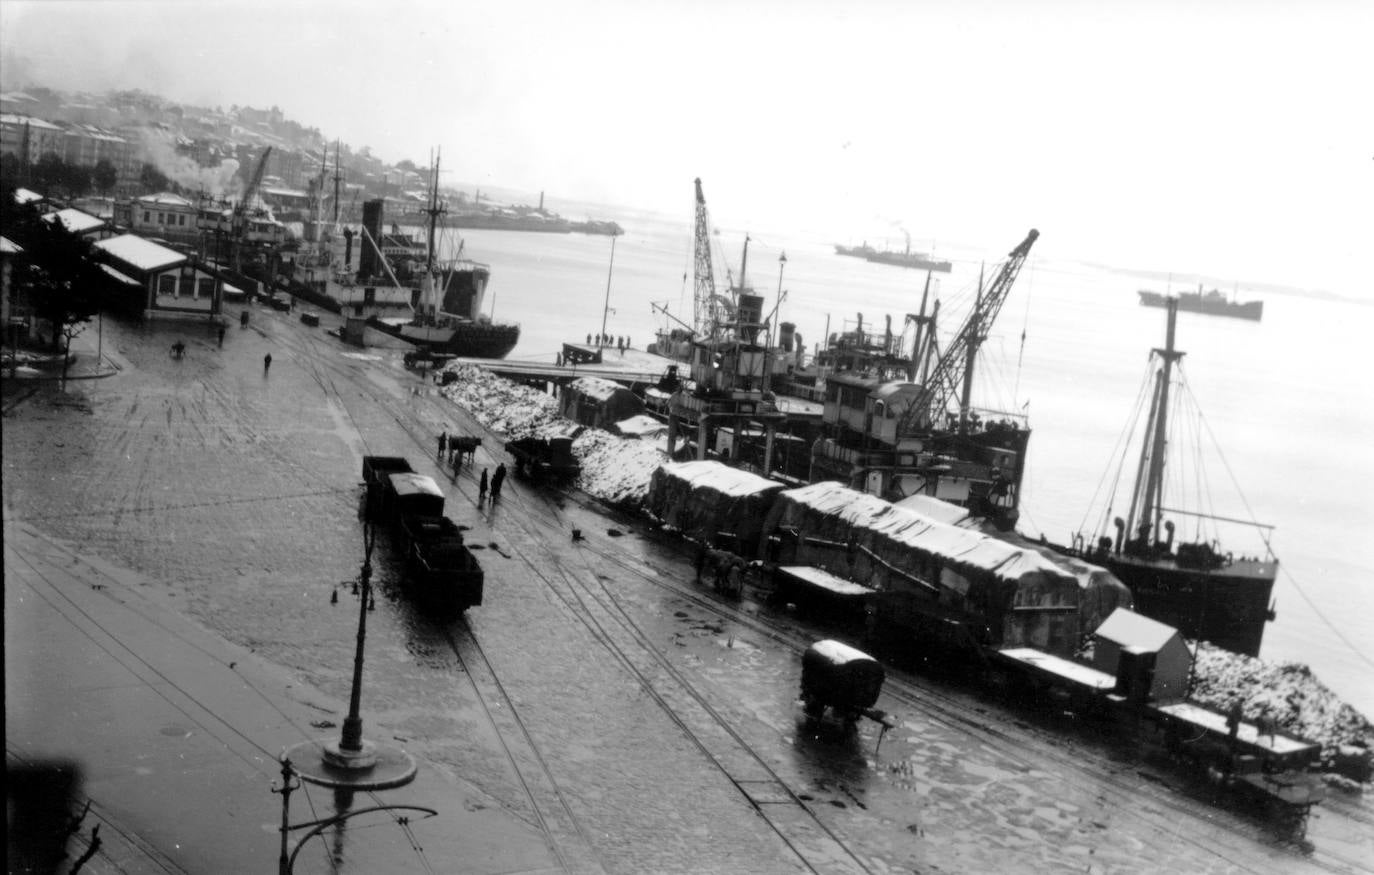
1017	596
706	500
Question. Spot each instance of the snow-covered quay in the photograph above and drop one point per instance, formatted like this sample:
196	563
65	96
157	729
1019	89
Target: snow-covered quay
617	471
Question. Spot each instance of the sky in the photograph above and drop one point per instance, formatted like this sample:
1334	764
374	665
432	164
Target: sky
1234	139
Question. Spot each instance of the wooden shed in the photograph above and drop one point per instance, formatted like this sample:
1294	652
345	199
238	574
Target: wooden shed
1150	661
598	403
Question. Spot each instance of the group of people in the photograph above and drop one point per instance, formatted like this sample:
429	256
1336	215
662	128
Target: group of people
621	343
496	480
453	447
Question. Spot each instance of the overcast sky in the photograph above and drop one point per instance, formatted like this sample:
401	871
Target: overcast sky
1235	139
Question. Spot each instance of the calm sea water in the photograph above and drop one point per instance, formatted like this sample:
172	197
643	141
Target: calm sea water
1286	398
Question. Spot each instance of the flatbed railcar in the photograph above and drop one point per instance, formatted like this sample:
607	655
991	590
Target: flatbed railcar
440	572
1251	760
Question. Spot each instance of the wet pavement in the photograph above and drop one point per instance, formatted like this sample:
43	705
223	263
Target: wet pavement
599	712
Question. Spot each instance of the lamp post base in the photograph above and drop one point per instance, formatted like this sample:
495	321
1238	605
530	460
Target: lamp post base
375	767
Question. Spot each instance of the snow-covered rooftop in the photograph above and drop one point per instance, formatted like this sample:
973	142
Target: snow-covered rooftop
140	253
1129	629
165	199
596	387
9	247
75	221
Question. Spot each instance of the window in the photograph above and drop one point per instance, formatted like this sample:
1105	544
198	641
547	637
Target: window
181	220
147	216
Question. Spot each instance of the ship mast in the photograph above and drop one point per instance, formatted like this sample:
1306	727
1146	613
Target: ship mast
434	209
1149	494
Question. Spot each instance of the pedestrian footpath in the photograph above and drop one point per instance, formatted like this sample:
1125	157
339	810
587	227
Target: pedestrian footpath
176	734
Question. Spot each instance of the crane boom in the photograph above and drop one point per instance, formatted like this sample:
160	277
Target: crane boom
954	370
704	288
239	224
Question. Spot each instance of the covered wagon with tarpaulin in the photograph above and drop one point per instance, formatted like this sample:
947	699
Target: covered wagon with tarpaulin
598	403
937	582
712	503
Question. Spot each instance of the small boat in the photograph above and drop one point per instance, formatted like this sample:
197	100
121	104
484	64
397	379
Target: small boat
1199	587
1212	303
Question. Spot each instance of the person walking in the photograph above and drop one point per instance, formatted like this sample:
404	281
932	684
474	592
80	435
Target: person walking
443	443
221	335
496	480
482	487
266	363
243	319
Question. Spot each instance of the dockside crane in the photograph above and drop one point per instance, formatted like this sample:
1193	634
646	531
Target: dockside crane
952	376
239	223
713	313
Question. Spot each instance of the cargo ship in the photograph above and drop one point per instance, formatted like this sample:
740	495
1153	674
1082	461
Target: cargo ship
1200	588
1212	303
446	309
906	258
402	289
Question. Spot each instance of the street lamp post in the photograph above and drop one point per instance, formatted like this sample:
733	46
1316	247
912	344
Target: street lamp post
352	762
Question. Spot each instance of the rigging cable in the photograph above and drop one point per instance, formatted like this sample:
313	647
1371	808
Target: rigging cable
1264	535
1122	445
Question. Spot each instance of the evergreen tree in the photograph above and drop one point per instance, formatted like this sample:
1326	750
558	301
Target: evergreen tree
151	180
56	273
105	176
49	172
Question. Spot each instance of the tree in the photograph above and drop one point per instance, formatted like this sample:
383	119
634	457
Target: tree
49	172
56	273
76	179
105	176
152	180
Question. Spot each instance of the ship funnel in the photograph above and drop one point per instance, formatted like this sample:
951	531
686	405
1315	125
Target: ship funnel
369	254
750	314
787	331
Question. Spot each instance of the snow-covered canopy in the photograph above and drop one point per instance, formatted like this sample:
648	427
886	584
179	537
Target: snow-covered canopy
141	254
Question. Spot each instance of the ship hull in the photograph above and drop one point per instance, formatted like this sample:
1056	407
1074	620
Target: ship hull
1207	305
899	259
484	340
1227	607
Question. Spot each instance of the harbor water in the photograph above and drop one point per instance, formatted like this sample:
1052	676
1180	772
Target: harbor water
1282	397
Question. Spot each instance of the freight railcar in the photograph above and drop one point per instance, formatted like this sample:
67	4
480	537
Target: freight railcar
440	572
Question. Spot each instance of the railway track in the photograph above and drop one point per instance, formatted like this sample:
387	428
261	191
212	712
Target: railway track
798	826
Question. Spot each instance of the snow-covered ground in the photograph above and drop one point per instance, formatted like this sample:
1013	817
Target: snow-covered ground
617	471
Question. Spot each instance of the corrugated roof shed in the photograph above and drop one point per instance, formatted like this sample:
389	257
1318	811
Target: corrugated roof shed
1130	630
142	254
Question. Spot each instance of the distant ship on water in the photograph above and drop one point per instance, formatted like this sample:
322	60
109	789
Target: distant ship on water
906	258
1212	303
